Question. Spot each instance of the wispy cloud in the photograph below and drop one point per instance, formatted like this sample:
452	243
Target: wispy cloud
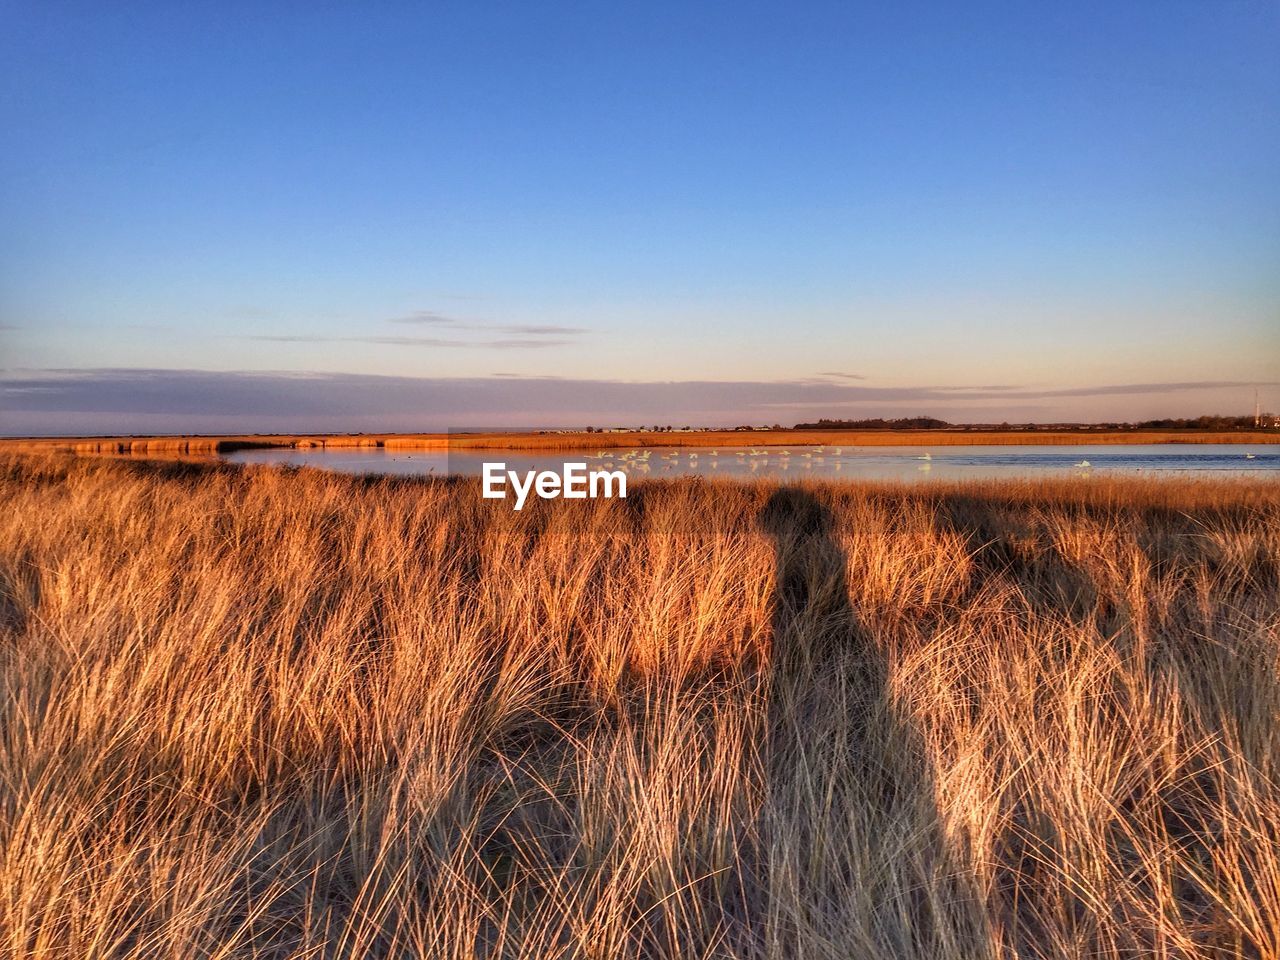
838	375
290	338
534	329
501	344
433	319
426	318
1119	389
441	342
491	336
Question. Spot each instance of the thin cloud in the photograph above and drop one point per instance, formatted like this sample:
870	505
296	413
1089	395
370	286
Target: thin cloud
289	338
506	344
515	336
433	319
410	341
442	342
538	329
1138	388
427	318
836	374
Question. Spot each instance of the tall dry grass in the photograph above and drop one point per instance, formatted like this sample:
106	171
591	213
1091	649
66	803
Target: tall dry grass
261	713
205	447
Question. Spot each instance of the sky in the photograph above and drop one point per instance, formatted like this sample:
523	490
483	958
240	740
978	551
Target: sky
283	216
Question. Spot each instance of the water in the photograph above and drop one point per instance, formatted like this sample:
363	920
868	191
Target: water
827	463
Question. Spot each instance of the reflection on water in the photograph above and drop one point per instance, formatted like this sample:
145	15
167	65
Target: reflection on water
823	462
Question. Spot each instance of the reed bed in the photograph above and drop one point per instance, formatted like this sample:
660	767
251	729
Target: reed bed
205	447
255	712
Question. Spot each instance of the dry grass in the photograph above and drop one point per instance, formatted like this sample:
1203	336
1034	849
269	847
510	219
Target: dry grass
264	713
210	446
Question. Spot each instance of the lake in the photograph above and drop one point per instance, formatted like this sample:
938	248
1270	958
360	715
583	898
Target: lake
823	462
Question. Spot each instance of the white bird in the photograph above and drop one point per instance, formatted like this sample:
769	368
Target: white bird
927	456
1084	463
1250	456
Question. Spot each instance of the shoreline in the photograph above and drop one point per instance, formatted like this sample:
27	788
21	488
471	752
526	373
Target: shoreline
216	445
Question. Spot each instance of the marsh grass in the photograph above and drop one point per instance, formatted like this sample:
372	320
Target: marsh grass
270	713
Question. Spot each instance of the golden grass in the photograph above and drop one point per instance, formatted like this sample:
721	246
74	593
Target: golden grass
209	446
270	713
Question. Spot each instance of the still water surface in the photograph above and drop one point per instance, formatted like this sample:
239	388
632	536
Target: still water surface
827	462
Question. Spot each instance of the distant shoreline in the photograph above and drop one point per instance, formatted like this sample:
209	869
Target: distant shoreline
222	444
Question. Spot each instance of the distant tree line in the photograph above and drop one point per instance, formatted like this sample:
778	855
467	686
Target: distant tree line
1207	422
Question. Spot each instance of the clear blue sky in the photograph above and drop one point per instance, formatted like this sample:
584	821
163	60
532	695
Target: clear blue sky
974	210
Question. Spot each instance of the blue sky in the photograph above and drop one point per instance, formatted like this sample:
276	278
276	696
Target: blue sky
990	211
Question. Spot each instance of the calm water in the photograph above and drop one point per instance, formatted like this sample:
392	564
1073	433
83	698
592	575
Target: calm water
854	463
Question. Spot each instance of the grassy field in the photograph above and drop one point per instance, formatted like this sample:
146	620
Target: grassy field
268	713
208	446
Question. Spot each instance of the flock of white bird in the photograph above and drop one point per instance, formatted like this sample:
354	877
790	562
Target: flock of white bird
753	458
